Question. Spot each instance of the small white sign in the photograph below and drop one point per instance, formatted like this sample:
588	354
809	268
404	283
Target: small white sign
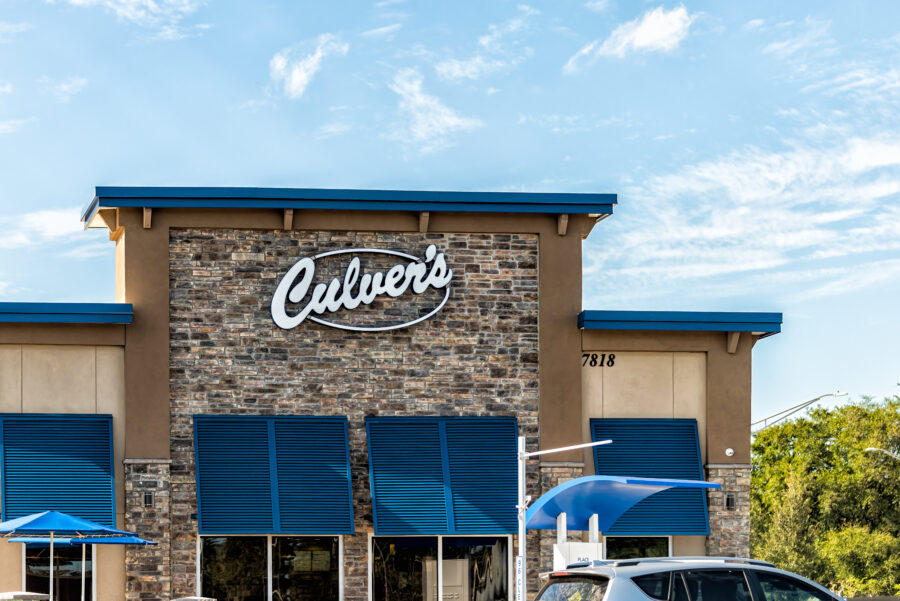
566	554
520	578
357	287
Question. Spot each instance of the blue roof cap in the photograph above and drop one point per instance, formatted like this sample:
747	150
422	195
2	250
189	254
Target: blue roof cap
681	321
362	200
113	313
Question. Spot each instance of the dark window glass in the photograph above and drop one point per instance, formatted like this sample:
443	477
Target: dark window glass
717	585
66	571
574	589
679	591
305	568
234	568
629	547
405	568
475	568
655	585
781	588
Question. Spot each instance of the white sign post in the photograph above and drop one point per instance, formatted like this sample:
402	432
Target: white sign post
521	579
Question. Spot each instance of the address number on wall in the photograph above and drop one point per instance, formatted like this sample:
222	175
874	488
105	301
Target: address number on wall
598	360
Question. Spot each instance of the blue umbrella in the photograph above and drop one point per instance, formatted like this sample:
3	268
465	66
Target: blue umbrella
49	525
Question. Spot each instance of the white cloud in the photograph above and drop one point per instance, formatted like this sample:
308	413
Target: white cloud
715	226
429	125
11	126
164	15
813	35
295	72
597	6
6	88
330	130
89	251
657	30
387	31
8	30
64	90
38	227
754	24
495	52
385	3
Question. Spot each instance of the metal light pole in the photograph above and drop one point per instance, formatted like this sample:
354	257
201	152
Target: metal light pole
886	452
782	415
523	506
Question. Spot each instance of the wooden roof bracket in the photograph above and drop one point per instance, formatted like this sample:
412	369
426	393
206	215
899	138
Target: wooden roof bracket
288	219
423	221
148	217
733	339
562	224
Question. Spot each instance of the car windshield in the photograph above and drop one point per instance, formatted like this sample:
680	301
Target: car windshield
574	589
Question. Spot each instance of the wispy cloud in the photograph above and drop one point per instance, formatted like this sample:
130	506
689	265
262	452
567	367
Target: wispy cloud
293	70
657	30
11	126
385	3
37	227
495	50
428	124
88	251
754	214
754	24
386	32
164	15
8	30
64	90
570	124
330	130
6	88
813	35
598	6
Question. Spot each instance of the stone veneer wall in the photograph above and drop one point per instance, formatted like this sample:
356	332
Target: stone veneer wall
148	569
729	530
477	356
554	473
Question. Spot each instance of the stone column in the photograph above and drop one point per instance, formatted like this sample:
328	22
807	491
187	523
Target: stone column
729	529
148	574
554	473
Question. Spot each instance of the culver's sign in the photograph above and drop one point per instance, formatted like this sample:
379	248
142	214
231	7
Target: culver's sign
357	287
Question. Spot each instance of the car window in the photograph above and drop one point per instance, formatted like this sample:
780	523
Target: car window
679	590
574	589
776	587
655	586
717	585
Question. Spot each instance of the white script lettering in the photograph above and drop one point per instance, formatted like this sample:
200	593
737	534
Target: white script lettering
357	288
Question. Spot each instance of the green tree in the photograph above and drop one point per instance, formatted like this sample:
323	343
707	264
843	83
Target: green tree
815	491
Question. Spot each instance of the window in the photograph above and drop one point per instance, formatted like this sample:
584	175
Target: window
574	589
303	568
717	585
474	568
654	585
66	570
776	587
630	547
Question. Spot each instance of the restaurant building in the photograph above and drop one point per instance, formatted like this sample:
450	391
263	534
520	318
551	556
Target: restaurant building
315	394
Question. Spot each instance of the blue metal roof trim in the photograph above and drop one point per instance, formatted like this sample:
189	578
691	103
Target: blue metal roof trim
113	313
364	200
681	321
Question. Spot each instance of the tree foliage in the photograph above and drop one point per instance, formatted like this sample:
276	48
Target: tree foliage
825	508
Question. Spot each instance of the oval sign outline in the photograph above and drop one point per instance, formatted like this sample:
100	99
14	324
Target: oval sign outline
376	251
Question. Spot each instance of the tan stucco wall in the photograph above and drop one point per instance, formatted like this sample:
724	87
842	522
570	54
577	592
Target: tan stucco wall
68	378
667	384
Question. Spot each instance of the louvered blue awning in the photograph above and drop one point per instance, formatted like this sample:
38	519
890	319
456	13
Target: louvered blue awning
654	448
443	475
59	463
273	475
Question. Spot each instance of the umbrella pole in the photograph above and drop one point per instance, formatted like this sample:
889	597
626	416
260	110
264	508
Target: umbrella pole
83	568
51	565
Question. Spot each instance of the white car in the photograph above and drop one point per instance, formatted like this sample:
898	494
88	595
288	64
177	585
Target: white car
680	579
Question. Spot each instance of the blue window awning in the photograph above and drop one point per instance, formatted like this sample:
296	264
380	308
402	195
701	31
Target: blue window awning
443	475
654	448
273	475
59	463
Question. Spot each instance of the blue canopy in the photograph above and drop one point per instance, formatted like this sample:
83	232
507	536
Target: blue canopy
59	524
74	542
607	496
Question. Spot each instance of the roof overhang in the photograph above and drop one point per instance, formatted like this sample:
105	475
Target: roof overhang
758	324
112	197
86	313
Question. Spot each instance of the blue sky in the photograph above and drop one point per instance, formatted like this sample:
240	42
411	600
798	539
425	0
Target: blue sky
754	146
